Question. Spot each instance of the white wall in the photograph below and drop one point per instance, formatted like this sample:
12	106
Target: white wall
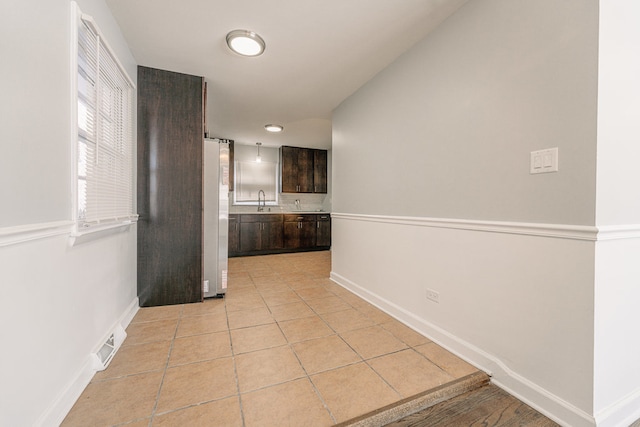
33	161
447	129
617	382
618	113
57	302
617	332
432	190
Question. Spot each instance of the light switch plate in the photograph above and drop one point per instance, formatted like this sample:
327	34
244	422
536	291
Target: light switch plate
544	161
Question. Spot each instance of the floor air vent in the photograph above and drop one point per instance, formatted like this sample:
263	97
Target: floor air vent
105	353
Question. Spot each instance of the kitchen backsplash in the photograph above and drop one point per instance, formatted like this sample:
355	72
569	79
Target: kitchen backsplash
287	203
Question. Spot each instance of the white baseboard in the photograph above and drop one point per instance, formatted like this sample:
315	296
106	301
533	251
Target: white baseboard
59	409
623	413
535	396
130	313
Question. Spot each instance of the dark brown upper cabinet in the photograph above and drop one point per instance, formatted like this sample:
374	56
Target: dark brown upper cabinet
301	168
319	171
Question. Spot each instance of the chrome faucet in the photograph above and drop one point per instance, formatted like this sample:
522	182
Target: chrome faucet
264	201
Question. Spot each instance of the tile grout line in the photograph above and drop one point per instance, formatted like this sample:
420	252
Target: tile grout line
166	367
190	363
261	291
308	376
336	333
290	346
233	358
313	385
362	359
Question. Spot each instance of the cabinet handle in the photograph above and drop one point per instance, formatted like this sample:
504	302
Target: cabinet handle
318	224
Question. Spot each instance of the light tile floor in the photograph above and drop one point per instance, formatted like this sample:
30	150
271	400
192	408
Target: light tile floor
285	347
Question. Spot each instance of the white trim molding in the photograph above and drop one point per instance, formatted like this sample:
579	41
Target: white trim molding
26	233
30	232
561	231
618	232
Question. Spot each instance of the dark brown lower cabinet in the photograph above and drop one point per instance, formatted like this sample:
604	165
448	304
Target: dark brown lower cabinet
323	230
299	231
260	232
234	235
257	234
169	187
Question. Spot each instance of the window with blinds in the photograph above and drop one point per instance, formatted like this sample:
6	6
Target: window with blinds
251	177
105	132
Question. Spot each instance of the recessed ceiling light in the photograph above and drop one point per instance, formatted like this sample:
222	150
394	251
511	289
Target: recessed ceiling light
245	42
273	128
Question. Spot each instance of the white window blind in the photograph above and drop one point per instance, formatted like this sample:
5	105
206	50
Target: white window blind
105	132
251	177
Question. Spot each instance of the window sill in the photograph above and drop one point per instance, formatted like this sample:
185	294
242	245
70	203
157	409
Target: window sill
89	234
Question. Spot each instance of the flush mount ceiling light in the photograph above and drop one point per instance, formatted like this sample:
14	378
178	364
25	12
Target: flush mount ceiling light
273	128
245	42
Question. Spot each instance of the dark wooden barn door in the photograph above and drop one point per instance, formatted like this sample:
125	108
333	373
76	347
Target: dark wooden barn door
170	145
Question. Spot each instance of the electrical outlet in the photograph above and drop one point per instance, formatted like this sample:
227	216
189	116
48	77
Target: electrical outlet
433	296
206	286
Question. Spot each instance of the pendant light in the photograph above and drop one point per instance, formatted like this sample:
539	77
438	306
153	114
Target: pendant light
258	158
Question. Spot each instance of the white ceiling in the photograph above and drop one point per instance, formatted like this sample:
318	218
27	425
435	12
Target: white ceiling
318	53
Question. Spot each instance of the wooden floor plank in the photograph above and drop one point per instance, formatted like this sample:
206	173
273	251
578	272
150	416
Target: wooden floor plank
488	406
415	403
